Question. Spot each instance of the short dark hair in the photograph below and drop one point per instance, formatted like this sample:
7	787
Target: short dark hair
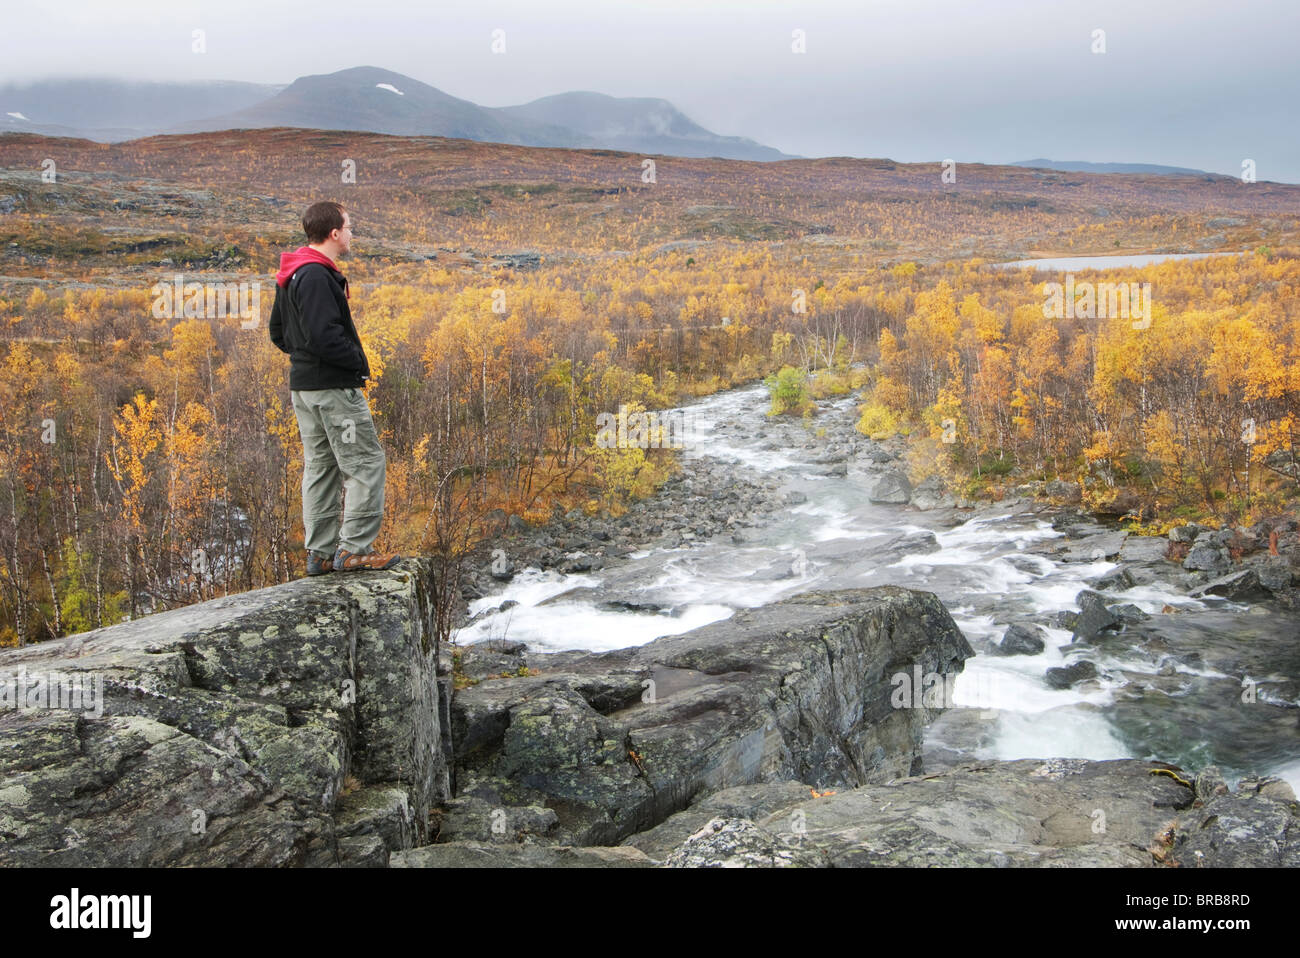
321	219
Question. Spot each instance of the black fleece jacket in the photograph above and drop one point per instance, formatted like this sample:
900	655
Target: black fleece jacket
310	321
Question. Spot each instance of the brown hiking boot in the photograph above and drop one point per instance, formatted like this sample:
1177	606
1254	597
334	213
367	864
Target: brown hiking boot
317	565
345	561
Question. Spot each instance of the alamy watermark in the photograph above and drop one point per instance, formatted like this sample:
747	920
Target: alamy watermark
181	300
672	429
1071	300
75	691
937	690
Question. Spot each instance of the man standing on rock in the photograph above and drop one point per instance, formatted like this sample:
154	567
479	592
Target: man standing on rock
310	321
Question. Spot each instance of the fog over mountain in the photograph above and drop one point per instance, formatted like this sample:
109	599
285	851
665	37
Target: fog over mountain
1188	84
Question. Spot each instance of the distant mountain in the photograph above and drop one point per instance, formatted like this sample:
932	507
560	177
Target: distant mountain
110	111
1081	166
380	101
362	99
638	125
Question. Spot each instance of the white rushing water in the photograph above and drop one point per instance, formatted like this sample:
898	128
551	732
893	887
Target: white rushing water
985	571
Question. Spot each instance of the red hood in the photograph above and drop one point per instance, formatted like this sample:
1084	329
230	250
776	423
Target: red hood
289	263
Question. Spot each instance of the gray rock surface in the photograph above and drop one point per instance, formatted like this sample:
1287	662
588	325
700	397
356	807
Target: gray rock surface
293	725
1065	676
1240	586
1206	557
484	855
891	486
801	689
1022	638
1094	617
1033	812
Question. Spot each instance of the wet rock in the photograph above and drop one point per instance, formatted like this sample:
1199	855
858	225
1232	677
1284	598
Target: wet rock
1243	586
1094	617
1095	547
1128	613
1063	678
1116	580
1065	619
1021	639
793	567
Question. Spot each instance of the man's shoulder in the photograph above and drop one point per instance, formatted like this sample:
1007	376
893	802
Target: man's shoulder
313	271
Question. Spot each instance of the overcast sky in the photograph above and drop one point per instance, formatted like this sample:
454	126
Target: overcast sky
1199	83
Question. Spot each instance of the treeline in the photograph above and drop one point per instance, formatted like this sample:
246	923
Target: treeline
147	463
1193	404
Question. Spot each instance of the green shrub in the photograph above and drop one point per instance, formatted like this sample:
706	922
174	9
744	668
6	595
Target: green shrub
789	389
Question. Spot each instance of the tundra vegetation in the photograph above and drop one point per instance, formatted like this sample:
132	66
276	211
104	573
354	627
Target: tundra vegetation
508	297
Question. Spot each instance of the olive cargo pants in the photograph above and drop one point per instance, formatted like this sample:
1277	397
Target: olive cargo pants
340	451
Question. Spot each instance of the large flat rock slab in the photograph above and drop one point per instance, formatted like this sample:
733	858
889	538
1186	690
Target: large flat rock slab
1028	813
798	690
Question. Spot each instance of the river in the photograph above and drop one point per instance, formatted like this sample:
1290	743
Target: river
1170	689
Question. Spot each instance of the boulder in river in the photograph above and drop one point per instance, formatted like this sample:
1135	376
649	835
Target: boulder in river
891	487
931	494
1021	639
1063	678
1098	546
1094	617
1116	580
1241	586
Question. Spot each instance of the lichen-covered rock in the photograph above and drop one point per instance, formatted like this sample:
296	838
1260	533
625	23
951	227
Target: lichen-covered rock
227	731
1257	826
1056	812
739	843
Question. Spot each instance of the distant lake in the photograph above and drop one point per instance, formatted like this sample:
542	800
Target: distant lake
1102	262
